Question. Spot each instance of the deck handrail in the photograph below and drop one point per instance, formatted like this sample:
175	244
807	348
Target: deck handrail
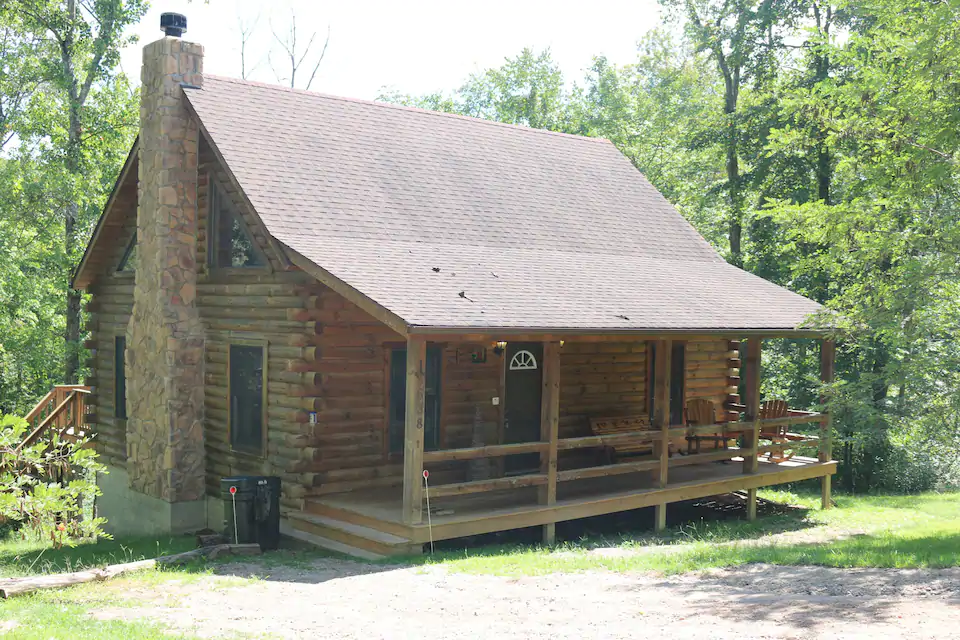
632	466
62	409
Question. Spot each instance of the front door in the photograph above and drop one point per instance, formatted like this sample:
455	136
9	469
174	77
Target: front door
521	410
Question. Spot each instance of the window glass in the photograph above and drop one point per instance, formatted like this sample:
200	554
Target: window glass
398	399
231	244
128	263
677	375
246	398
119	378
677	370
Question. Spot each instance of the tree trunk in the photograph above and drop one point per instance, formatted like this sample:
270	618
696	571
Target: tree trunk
731	83
72	364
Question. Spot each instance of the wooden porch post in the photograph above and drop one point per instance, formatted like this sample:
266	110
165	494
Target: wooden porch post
413	430
661	420
550	429
751	390
827	361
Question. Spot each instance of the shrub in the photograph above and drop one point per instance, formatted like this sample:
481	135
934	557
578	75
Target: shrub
44	487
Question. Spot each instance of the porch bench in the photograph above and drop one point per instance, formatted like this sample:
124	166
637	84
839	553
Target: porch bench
611	426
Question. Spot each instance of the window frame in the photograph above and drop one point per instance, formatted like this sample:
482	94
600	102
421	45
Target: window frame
119	404
216	192
390	349
264	345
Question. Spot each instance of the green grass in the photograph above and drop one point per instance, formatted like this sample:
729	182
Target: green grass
921	531
64	613
29	557
874	531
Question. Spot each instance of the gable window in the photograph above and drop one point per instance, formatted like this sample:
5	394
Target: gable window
119	378
678	357
398	399
247	386
128	263
231	244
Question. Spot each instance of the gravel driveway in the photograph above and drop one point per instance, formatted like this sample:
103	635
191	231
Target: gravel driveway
342	599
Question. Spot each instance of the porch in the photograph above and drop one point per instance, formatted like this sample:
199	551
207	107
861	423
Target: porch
467	515
563	478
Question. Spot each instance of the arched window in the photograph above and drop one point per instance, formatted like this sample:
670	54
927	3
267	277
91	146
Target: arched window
523	360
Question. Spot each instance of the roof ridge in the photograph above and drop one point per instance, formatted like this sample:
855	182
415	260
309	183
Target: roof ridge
388	105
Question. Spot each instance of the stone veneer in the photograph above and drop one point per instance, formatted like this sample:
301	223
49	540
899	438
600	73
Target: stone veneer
165	454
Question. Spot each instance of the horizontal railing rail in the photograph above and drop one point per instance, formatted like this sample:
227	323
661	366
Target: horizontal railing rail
756	428
490	451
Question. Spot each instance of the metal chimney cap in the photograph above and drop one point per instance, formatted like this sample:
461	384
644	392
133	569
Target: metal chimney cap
173	24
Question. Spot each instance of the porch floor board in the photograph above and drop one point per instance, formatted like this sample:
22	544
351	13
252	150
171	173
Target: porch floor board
458	516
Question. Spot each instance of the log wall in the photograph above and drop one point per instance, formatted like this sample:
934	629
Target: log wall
605	379
110	306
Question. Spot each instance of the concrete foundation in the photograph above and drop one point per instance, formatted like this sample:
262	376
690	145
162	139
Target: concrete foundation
131	513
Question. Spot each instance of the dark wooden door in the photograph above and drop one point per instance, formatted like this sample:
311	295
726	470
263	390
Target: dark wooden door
521	411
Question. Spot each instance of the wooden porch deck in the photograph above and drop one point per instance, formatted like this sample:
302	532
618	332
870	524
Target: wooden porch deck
373	520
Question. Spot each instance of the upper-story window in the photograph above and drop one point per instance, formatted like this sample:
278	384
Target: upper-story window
231	245
128	263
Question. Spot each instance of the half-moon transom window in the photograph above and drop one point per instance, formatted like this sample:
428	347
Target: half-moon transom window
523	360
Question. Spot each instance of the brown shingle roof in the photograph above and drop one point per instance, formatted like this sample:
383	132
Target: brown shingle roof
528	229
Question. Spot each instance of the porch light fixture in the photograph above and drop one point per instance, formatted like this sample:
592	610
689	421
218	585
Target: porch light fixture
499	348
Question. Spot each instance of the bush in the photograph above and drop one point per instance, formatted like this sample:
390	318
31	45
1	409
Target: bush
43	487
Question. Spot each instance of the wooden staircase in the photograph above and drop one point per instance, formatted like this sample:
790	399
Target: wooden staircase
350	533
62	413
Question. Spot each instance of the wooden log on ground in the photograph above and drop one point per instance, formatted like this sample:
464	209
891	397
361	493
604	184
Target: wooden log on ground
19	586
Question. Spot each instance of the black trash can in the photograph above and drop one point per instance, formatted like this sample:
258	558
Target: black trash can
256	518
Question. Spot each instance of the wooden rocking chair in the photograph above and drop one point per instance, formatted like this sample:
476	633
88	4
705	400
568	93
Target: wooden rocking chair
770	410
701	412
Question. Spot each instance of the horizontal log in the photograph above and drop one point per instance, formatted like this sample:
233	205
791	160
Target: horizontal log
18	586
255	301
479	486
492	451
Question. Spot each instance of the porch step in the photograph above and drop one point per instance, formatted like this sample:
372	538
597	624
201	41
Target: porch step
353	535
325	543
319	508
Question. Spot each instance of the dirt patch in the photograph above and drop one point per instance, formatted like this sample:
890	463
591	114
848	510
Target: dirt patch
342	599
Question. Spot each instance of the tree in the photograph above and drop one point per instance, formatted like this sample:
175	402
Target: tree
743	38
292	54
78	49
878	236
527	89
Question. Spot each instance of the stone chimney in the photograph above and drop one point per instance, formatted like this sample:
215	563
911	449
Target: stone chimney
165	342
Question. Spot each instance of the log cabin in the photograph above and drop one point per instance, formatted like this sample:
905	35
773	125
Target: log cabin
388	308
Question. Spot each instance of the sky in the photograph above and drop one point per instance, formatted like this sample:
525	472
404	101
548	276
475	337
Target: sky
414	47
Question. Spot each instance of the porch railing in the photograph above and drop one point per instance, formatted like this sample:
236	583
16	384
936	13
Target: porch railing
646	463
61	412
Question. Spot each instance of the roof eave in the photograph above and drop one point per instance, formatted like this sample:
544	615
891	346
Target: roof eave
80	279
368	304
504	332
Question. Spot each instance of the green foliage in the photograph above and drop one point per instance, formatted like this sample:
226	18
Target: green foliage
67	120
816	145
44	487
